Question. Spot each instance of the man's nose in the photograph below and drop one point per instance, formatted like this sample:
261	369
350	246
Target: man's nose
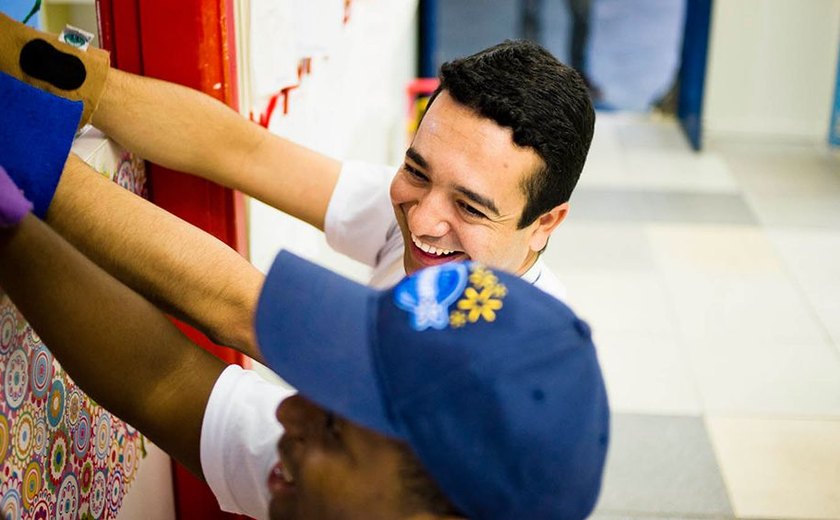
297	414
430	216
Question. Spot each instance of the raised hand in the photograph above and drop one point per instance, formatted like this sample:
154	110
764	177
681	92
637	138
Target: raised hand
41	60
36	131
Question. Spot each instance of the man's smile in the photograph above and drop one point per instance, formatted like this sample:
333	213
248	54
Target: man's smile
281	479
430	249
425	255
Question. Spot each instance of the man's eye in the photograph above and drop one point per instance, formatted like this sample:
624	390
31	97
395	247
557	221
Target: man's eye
415	173
471	211
331	425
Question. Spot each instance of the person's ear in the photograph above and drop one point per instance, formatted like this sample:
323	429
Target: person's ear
546	224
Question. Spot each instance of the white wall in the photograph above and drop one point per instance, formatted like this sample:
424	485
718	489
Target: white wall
352	106
771	69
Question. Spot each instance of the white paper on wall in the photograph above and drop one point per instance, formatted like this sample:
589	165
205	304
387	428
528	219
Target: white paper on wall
318	24
272	47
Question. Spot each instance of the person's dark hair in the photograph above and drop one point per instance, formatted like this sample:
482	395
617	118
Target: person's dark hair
422	492
521	86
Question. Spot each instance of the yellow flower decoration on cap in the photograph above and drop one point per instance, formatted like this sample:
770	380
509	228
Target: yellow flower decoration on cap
457	319
482	278
480	304
499	291
481	300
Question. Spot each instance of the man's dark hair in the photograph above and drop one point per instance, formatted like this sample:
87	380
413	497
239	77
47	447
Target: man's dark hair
521	86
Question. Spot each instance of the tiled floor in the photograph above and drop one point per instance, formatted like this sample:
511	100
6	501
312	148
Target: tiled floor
712	282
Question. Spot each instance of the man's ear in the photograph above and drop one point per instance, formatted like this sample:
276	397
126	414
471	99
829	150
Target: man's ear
545	225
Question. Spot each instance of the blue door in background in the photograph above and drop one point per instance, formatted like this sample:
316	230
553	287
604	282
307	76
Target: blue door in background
692	75
834	131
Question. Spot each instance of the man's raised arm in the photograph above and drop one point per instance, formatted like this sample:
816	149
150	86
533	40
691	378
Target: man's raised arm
177	266
138	366
174	126
186	130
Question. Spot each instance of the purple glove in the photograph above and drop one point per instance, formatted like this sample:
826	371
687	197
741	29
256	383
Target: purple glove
13	205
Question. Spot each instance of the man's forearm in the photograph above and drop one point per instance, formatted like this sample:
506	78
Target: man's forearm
117	347
188	131
179	267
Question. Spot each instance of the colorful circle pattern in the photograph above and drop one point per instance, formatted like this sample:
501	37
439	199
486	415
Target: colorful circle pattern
81	435
67	504
16	380
98	495
4	437
61	455
23	435
10	505
42	372
55	403
32	483
7	330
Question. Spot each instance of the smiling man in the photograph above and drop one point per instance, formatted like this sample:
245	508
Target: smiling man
514	424
488	175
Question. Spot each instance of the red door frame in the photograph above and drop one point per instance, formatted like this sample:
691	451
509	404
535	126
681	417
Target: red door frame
190	42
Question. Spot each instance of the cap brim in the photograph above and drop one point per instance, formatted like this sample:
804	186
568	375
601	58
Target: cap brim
314	330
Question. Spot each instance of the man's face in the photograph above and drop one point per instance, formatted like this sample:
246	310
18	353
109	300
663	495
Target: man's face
333	469
459	195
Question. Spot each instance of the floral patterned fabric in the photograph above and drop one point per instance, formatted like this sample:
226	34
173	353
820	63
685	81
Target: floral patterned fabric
62	456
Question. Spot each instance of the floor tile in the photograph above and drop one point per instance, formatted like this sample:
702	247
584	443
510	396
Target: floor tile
714	250
647	374
605	160
591	247
812	259
746	308
782	169
622	302
664	466
618	205
767	378
779	468
644	132
658	170
812	255
629	516
729	285
811	211
679	171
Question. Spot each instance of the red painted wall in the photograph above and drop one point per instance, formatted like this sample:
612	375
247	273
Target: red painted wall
190	42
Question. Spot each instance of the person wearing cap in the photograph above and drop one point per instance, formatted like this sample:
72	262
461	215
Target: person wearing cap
462	392
471	187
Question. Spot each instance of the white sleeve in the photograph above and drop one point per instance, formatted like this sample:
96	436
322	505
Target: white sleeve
239	437
360	214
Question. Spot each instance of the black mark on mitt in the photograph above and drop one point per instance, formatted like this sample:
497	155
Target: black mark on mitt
42	61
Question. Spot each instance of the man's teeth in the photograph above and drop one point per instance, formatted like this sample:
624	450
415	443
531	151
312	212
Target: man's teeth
287	476
432	250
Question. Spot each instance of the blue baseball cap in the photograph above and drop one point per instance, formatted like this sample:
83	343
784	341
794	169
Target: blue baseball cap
493	384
